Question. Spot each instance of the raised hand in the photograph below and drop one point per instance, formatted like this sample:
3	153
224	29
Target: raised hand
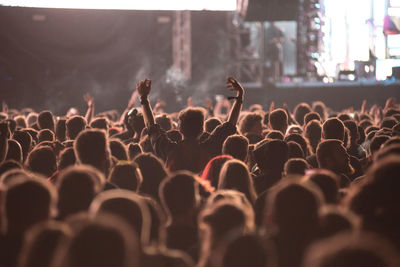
233	85
143	87
364	106
89	99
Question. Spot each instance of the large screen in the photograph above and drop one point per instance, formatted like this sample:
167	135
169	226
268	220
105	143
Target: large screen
223	5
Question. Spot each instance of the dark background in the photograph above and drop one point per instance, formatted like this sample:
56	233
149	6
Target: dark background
50	57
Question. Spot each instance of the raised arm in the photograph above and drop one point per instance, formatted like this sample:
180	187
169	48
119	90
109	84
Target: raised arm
143	88
90	111
233	85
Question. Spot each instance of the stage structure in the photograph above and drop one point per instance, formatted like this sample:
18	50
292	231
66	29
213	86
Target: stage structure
182	44
250	28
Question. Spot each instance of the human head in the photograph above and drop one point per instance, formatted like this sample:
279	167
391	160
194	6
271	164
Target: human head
61	129
235	175
28	200
296	166
278	120
77	186
99	123
271	155
179	194
212	123
311	116
333	128
67	158
75	125
46	120
251	123
313	132
46	135
92	148
332	155
153	172
213	168
25	140
300	112
237	146
328	183
126	175
14	151
42	160
118	149
191	122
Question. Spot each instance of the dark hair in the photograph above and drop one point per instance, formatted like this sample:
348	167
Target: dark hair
296	166
191	122
153	172
249	121
235	175
212	123
333	128
126	176
25	140
46	120
77	186
300	112
178	193
313	132
75	125
118	149
237	146
42	160
164	121
99	123
213	168
311	116
14	151
278	119
61	129
46	135
92	148
67	158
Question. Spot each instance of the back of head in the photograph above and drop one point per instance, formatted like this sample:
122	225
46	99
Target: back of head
325	151
351	249
75	125
278	120
14	151
320	108
27	202
271	155
8	165
235	175
191	122
42	160
67	158
99	123
296	166
226	216
300	112
103	242
352	126
212	123
134	149
41	242
153	172
333	128
46	120
25	140
61	129
250	123
294	202
20	120
92	148
388	122
237	146
213	168
313	132
118	149
303	142
376	143
77	186
179	193
275	135
311	116
294	150
164	121
328	183
46	135
129	206
126	176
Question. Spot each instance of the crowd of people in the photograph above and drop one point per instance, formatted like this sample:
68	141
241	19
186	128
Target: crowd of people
309	187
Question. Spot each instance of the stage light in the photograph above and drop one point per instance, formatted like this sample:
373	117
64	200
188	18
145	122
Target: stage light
222	5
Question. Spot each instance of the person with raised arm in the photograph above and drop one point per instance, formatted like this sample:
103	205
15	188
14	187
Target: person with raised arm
189	154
